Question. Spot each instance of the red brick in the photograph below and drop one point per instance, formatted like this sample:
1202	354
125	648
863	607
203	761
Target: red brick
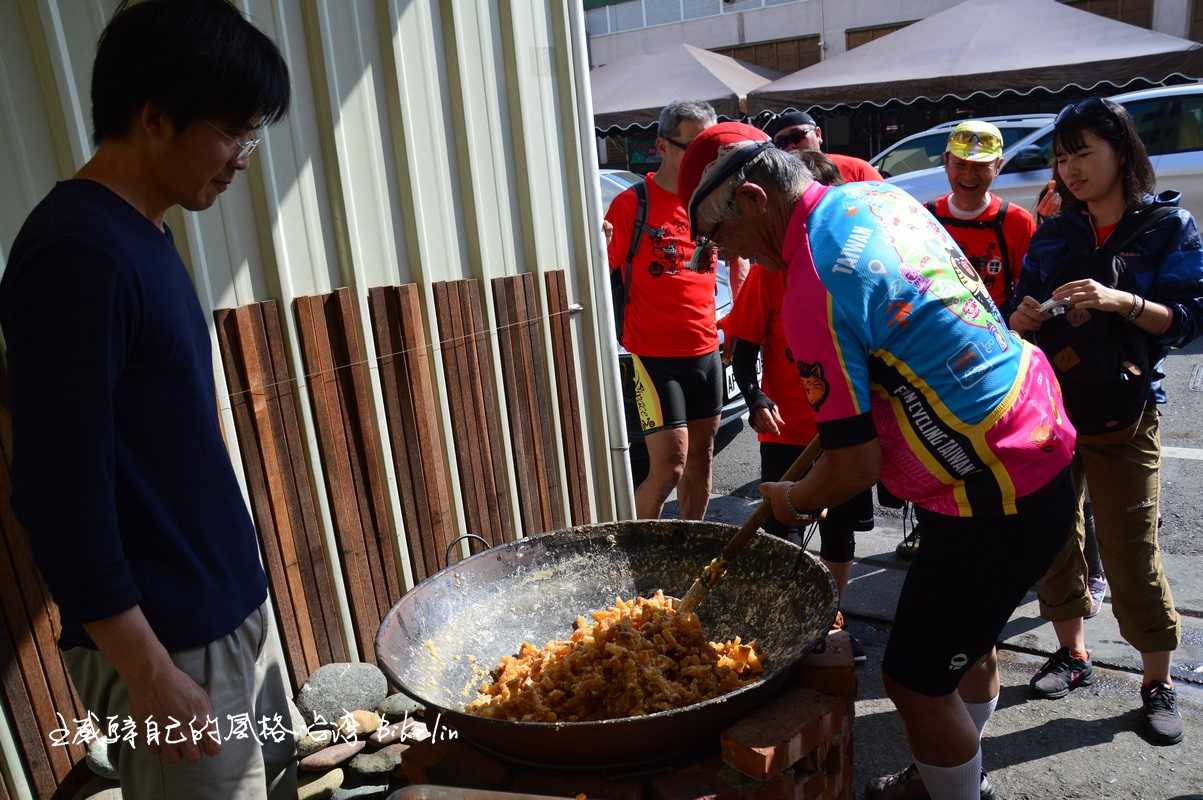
831	671
712	780
810	786
595	786
778	735
453	763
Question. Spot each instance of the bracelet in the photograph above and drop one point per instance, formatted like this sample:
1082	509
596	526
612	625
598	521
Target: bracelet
1138	308
793	509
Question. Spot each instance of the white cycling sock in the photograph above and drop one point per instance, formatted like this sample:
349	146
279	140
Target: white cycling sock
980	713
953	783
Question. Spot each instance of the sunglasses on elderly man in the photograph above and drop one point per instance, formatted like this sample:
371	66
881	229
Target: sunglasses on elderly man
972	142
793	137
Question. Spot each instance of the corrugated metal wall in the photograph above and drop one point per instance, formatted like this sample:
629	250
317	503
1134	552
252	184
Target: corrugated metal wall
428	141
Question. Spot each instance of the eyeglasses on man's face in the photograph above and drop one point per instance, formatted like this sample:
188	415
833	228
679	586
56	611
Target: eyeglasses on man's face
244	147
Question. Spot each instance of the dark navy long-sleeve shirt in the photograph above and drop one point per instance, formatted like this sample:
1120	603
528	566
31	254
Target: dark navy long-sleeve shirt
120	473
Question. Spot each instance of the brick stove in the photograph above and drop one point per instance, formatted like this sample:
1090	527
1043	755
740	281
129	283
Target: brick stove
798	746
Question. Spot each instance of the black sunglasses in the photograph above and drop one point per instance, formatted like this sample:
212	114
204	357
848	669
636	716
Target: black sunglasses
792	138
675	143
1090	107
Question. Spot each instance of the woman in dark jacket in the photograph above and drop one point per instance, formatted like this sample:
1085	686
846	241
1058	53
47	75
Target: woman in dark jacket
1123	271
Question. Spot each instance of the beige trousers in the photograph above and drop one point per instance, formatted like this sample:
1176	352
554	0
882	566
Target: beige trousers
1122	471
241	675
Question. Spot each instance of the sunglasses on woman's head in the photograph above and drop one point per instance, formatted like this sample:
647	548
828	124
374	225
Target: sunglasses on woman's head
1089	107
793	137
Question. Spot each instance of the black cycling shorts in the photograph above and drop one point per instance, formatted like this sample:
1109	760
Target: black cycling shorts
837	543
967	578
671	392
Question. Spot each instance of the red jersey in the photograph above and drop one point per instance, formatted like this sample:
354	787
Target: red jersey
670	308
994	246
756	318
854	169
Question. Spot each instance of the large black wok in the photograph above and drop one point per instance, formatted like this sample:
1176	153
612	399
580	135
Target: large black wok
440	640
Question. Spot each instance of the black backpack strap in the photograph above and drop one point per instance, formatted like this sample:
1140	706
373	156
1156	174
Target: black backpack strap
1122	238
996	224
636	235
1000	234
620	285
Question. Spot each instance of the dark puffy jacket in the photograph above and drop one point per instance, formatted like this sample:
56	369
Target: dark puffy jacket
1165	264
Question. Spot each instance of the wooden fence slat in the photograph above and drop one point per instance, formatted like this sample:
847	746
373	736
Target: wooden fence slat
486	386
519	410
411	413
374	492
261	378
34	681
470	448
571	426
39	609
244	380
26	719
528	398
480	444
327	418
393	376
349	438
281	493
551	493
28	662
526	395
302	505
429	449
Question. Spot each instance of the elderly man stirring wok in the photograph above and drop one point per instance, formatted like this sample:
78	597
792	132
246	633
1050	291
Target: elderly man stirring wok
915	379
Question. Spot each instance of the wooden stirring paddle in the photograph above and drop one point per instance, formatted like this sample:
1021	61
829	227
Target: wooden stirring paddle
713	572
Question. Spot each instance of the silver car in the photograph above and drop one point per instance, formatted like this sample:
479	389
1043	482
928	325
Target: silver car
924	152
1168	118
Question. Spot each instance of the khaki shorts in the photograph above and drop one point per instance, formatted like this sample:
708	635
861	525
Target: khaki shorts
241	675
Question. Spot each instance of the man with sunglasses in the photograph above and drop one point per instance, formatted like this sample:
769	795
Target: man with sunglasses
992	233
120	470
668	323
797	130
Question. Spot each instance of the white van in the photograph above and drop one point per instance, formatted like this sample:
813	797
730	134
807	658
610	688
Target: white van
925	150
1168	118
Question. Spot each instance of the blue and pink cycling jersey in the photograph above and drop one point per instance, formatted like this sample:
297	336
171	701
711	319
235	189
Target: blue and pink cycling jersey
895	337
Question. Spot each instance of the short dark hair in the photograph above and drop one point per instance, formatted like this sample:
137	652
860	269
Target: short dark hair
1111	122
195	59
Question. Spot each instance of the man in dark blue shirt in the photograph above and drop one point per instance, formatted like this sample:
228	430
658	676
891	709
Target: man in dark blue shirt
120	471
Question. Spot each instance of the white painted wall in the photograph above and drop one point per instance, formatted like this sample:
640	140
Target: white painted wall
1173	17
804	18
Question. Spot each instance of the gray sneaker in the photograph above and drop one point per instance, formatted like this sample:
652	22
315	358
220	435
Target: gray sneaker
1162	722
1060	674
908	785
